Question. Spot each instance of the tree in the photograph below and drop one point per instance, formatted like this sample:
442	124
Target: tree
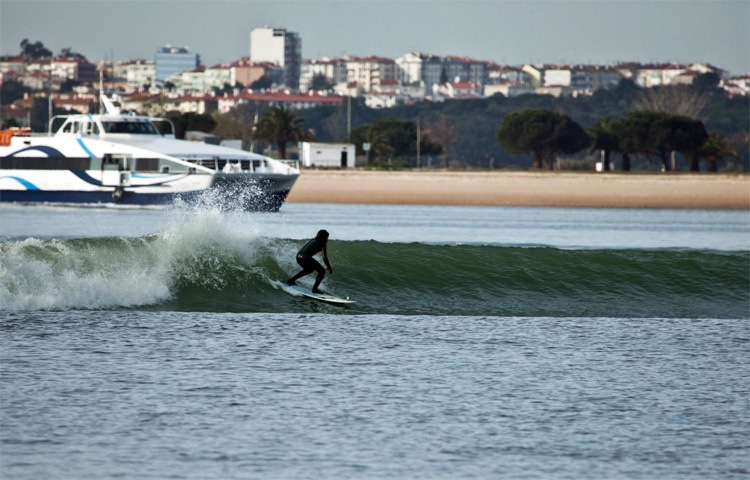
604	138
443	132
39	114
706	82
9	123
238	123
674	133
69	53
542	133
632	137
280	125
191	121
262	83
10	91
68	85
34	50
659	134
377	139
673	99
321	82
226	88
716	147
398	134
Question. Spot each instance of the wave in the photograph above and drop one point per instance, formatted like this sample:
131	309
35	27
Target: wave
207	265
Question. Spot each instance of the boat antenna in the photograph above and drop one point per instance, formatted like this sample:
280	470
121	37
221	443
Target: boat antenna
101	91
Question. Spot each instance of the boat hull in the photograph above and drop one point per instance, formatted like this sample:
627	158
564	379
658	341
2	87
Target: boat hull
253	192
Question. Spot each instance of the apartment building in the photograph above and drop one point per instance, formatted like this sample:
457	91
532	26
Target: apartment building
245	72
334	69
192	80
419	67
462	69
463	90
277	45
218	75
136	72
275	99
503	74
434	69
369	71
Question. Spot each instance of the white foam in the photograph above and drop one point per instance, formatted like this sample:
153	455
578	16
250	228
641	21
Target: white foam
127	272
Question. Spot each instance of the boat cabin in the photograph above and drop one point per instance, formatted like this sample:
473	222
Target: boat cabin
103	125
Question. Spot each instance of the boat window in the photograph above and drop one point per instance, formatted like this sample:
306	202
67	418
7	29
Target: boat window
129	127
95	130
68	127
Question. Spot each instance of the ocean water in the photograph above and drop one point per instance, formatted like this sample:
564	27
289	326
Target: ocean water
485	343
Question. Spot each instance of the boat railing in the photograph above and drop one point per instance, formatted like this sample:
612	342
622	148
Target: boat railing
290	163
251	166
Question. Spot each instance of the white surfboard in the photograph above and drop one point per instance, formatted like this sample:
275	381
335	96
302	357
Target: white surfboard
306	292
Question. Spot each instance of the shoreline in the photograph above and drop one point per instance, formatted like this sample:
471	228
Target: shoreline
524	189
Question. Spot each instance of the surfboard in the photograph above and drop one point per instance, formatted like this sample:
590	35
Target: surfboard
306	292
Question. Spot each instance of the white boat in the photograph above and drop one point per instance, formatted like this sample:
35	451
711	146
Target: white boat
120	158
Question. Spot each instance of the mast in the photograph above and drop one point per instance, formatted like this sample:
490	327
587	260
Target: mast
101	92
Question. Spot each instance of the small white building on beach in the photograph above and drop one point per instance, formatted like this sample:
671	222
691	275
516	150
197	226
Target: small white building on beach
341	155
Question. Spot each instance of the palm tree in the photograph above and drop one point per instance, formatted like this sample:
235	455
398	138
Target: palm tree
603	138
378	143
716	147
280	125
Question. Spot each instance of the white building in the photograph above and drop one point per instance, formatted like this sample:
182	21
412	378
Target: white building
462	90
341	155
649	76
500	74
136	72
333	69
508	89
433	69
278	46
378	100
413	68
193	80
535	74
218	75
369	71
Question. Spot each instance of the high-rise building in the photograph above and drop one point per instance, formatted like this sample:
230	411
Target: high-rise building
173	60
278	46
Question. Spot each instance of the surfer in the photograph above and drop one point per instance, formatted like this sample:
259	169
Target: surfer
309	264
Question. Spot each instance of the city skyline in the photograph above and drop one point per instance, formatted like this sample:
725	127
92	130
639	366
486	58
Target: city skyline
506	32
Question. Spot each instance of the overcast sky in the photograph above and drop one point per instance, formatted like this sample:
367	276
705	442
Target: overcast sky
508	32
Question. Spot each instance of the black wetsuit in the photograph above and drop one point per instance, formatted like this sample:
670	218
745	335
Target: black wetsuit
309	264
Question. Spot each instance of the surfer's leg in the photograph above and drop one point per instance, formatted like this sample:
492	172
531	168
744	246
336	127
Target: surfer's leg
301	274
321	273
307	269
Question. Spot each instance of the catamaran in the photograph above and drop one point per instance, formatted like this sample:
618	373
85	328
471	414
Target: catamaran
115	157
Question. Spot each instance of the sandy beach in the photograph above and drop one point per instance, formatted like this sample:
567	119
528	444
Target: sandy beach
530	189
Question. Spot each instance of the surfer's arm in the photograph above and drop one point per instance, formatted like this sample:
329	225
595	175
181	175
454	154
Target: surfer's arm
325	259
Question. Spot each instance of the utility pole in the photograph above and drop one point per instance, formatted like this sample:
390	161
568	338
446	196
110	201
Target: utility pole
349	118
49	108
419	141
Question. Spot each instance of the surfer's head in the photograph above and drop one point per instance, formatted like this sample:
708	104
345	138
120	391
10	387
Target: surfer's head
322	235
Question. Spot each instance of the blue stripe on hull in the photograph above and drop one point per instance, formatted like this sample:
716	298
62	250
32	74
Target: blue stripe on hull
268	203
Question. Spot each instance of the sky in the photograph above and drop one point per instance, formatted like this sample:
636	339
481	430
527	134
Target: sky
507	32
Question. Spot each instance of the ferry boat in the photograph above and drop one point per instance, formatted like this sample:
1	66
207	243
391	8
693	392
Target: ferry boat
113	157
